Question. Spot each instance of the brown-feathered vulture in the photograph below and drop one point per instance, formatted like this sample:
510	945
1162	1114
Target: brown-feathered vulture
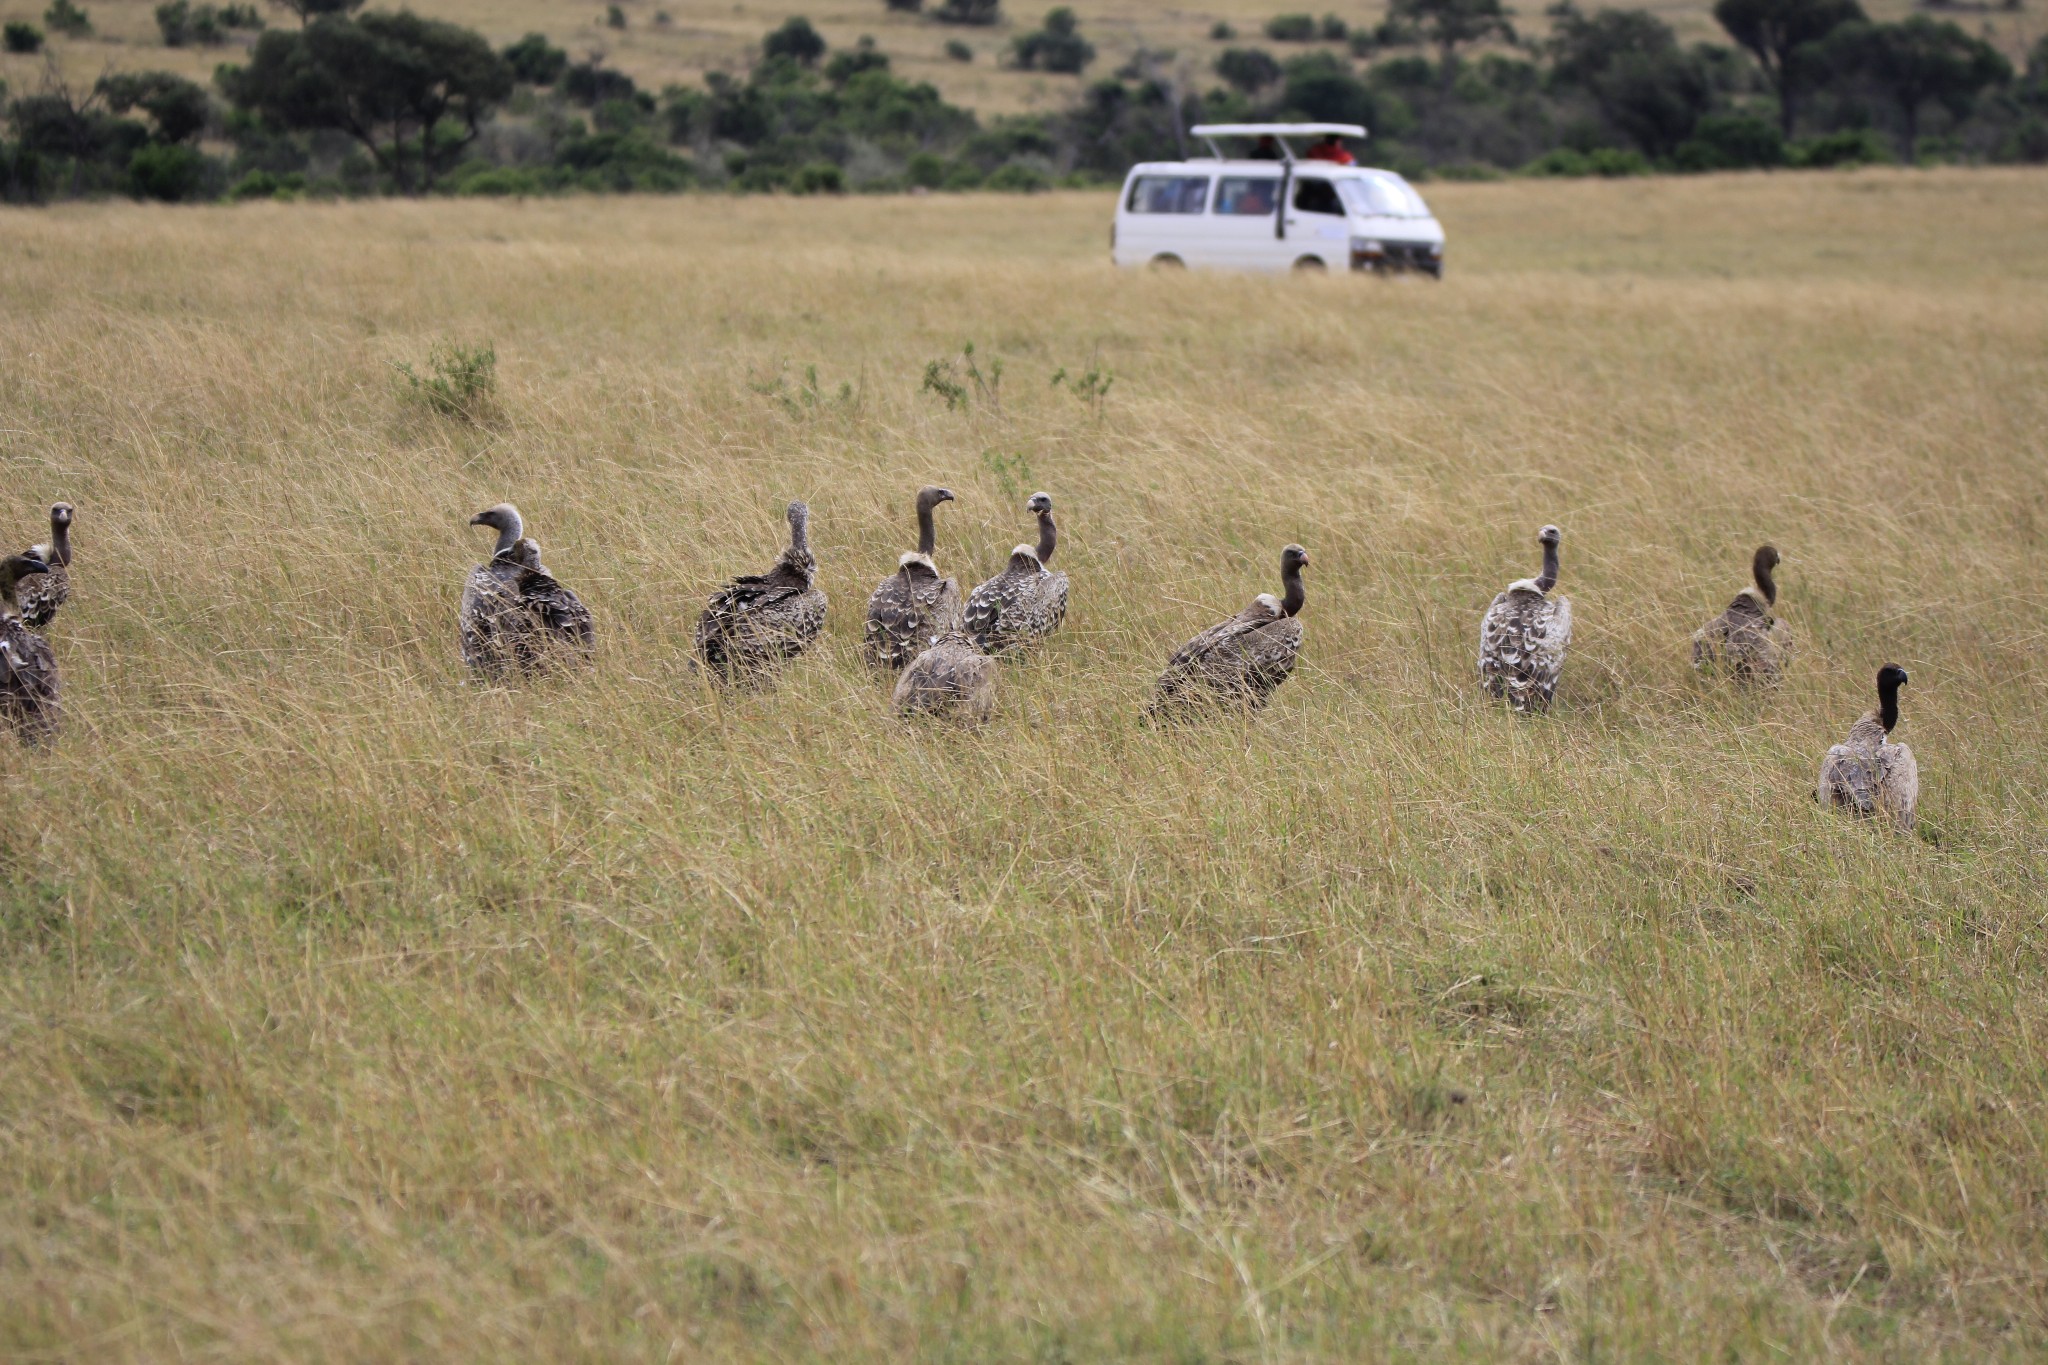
1238	663
1026	601
42	594
952	678
1867	774
914	604
756	623
1749	642
29	686
1524	634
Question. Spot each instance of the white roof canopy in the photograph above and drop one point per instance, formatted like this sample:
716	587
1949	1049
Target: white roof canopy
1275	129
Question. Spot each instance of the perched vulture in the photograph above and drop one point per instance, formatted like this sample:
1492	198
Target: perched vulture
1523	637
1748	642
42	594
758	622
28	669
1240	662
1869	774
952	678
914	604
1026	601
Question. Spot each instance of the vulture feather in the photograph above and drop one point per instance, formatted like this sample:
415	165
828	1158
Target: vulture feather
951	678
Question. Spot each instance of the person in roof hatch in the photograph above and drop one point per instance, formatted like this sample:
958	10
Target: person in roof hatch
1267	148
1331	148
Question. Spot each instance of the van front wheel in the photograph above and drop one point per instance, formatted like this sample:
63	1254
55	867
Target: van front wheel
1166	260
1310	265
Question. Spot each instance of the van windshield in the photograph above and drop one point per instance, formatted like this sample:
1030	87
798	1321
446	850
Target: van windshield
1382	196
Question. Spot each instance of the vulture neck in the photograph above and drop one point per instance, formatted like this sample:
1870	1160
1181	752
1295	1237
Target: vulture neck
1765	583
1048	538
1290	578
508	536
927	536
1547	580
60	543
1888	704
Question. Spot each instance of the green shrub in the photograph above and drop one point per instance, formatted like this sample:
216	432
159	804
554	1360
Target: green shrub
68	19
1250	69
1017	178
22	37
927	169
1058	47
1848	147
819	177
1291	28
535	60
1730	142
614	17
959	51
1611	162
170	172
796	40
1332	29
266	185
1220	32
461	381
980	13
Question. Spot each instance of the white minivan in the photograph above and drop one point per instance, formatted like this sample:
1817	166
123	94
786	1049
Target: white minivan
1273	210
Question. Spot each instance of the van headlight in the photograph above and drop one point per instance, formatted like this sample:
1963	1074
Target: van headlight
1368	246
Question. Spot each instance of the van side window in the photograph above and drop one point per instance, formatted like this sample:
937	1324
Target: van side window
1169	193
1317	196
1246	195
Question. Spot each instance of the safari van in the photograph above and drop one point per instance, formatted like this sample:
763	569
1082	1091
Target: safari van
1273	211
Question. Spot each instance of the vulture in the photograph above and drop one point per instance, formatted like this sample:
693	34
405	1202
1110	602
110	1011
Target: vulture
952	678
1523	637
758	622
912	605
515	618
1747	642
1867	772
1238	663
562	624
1026	601
28	670
42	594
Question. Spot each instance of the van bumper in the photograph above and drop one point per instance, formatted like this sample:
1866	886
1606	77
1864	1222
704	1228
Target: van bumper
1385	255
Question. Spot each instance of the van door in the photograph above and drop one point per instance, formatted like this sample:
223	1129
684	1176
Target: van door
1316	223
1243	226
1163	217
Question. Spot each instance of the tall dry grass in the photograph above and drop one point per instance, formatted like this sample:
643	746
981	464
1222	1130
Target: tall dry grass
348	1011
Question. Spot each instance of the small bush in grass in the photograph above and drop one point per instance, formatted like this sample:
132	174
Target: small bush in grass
171	172
1602	161
959	51
820	177
22	37
68	19
1220	32
979	13
461	381
614	17
1017	178
1291	28
1848	147
927	169
905	6
796	40
1332	29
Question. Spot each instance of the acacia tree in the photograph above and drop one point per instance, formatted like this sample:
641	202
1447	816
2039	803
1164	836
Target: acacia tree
1778	33
1915	62
399	84
1452	24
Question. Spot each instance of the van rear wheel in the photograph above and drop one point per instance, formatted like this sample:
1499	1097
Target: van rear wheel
1310	265
1166	260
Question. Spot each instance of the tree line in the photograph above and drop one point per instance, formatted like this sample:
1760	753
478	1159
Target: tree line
354	102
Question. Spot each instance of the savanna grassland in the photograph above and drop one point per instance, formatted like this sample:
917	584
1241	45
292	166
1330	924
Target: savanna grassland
349	1011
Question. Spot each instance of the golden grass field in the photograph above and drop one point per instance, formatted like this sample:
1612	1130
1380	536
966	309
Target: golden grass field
349	1012
703	35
